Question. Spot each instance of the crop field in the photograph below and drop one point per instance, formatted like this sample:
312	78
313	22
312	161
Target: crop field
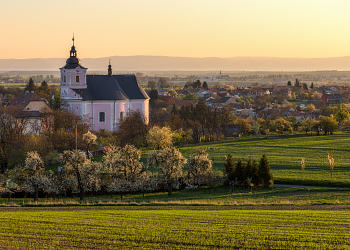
169	228
285	154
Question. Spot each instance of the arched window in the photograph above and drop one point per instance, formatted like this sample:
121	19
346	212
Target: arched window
102	117
64	78
77	78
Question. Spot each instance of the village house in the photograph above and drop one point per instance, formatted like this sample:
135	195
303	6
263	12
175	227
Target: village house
35	111
332	99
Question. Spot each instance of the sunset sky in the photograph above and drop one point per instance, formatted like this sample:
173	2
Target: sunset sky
186	28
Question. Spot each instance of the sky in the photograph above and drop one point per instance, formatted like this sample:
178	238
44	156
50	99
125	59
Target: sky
182	28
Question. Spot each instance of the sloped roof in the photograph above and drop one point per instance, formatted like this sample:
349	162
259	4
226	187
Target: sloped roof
167	99
181	103
115	87
23	99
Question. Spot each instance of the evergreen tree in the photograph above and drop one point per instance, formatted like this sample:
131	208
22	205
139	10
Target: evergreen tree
289	83
240	172
312	85
229	168
297	83
252	171
45	88
174	109
305	86
30	85
264	172
205	85
153	97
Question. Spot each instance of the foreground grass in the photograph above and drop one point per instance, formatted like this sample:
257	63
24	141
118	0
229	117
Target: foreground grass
158	228
285	154
219	197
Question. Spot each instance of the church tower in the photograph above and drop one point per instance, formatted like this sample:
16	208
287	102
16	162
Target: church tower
73	75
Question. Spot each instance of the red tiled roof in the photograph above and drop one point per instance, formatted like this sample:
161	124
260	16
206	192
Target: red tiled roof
167	99
181	103
23	99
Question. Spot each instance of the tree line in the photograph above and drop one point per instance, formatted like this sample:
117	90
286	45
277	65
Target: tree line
121	172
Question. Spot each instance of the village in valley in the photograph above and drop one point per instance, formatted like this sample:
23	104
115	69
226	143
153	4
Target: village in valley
174	125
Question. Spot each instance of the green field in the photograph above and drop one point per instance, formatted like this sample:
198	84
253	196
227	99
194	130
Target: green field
173	228
285	154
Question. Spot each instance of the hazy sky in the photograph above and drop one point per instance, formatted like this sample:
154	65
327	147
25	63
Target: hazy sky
193	28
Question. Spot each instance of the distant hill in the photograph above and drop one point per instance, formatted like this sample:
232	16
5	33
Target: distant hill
165	63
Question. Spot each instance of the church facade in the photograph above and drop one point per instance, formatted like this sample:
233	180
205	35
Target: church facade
104	99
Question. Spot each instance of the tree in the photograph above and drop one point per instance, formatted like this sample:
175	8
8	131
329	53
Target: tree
264	172
328	124
30	85
205	85
289	83
169	163
345	125
162	82
342	113
305	86
330	162
154	97
244	125
174	109
172	92
31	175
132	128
310	108
159	137
152	85
297	83
89	139
308	124
44	87
81	169
252	171
240	172
279	124
124	163
199	167
229	168
312	85
190	96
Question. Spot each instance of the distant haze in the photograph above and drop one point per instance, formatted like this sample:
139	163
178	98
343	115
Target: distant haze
164	63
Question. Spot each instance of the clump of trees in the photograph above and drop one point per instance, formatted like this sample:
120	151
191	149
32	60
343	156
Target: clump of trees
244	174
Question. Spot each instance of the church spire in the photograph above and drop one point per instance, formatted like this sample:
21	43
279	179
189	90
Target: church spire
73	39
109	68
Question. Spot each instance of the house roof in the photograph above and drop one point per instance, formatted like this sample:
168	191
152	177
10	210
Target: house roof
115	87
332	96
167	99
24	98
181	103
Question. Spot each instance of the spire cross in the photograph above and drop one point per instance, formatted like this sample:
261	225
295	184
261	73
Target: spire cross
73	39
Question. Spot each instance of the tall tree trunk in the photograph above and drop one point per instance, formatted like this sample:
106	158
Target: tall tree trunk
170	191
36	197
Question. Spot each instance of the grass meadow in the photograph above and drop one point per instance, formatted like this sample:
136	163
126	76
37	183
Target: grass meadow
285	154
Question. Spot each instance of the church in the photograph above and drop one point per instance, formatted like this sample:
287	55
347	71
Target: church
105	99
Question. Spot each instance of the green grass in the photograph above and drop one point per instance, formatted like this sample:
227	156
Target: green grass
220	196
169	228
285	154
